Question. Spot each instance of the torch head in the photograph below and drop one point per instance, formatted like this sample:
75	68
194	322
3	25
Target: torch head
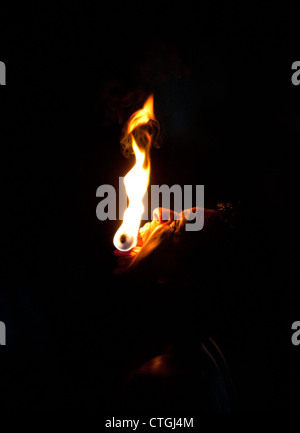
124	242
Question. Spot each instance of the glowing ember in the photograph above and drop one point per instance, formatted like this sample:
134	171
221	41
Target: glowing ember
136	181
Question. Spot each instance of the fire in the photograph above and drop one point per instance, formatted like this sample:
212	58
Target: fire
136	181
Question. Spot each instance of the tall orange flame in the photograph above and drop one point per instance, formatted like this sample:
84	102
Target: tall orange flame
136	182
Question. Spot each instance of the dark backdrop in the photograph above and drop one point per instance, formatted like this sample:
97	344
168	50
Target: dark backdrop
229	115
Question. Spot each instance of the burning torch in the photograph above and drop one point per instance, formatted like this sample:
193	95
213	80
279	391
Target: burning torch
137	179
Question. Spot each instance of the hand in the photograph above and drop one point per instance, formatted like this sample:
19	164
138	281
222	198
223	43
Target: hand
164	243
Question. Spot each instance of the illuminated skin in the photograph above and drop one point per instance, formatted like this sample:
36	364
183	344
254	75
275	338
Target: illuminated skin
160	238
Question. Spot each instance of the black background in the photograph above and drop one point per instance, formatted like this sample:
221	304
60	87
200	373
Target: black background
229	114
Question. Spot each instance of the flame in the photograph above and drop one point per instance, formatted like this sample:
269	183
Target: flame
142	116
136	181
